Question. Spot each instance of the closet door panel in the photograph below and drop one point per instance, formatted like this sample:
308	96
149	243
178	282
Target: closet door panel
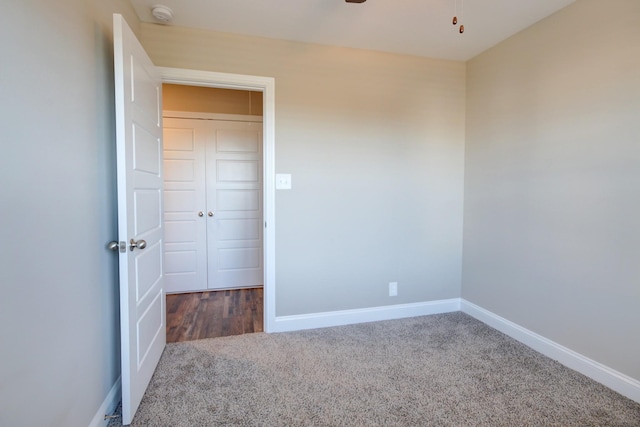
185	247
234	197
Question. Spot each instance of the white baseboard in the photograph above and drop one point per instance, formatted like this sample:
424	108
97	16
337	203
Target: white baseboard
363	315
108	406
611	378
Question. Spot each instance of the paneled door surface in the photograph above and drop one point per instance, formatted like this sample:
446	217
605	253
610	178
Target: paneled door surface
138	95
234	198
185	220
213	204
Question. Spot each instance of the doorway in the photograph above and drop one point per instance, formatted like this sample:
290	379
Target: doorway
213	186
266	87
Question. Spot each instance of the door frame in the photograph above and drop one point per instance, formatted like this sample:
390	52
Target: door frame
266	85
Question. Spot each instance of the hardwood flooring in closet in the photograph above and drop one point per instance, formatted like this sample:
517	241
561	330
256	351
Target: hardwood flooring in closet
214	314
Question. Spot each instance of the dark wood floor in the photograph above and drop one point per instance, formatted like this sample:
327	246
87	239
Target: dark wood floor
214	314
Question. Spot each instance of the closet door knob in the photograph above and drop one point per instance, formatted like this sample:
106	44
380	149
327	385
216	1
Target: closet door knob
200	213
210	213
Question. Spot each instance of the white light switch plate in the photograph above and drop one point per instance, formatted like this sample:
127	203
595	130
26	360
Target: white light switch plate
283	181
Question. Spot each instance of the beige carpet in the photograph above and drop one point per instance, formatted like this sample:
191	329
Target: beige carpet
441	370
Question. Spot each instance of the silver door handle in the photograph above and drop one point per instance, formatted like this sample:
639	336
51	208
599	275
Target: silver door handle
211	214
117	246
140	244
200	213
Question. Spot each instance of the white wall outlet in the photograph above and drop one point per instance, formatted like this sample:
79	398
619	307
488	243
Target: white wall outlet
393	289
283	181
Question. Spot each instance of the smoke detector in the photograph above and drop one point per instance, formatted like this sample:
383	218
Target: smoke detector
162	14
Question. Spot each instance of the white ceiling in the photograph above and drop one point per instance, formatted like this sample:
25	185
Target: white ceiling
414	27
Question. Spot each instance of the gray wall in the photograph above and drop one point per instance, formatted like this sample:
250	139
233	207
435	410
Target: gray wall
59	348
552	181
375	146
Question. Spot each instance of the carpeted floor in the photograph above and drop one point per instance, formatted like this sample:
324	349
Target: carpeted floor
441	370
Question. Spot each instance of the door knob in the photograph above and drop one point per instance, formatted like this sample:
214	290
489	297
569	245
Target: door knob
200	213
117	246
140	244
210	214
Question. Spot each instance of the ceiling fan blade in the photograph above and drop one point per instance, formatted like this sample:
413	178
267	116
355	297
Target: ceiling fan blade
355	1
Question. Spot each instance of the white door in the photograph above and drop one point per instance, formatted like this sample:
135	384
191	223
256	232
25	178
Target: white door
234	205
138	93
185	220
213	204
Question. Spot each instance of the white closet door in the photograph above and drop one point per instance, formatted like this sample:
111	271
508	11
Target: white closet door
185	221
234	200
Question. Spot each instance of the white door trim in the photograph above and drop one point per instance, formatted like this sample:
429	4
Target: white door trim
211	116
266	85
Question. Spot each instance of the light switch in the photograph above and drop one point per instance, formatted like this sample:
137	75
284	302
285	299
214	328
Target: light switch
283	181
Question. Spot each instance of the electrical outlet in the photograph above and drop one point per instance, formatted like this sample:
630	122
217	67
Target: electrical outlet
393	289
